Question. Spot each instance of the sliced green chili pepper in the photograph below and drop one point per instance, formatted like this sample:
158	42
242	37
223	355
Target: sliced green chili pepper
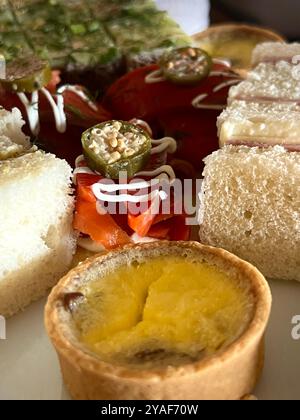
186	65
26	74
116	146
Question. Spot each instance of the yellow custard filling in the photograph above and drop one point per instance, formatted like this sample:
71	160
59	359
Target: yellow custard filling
167	311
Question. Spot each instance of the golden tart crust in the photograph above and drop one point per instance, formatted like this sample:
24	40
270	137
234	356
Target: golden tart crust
239	32
230	374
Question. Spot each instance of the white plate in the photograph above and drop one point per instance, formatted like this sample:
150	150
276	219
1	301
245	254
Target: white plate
29	367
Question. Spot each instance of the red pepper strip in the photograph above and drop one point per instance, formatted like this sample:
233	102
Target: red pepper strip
142	223
146	222
100	227
84	183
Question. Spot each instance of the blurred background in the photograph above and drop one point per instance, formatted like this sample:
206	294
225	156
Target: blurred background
195	15
280	15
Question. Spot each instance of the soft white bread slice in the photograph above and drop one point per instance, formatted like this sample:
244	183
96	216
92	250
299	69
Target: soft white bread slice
36	236
256	124
13	141
272	52
269	83
250	205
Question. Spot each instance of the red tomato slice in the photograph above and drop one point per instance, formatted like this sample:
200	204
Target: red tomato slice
131	97
80	116
196	135
142	223
78	111
168	108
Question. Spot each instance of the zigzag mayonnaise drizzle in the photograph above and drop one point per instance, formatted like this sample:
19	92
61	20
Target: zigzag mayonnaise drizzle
103	191
157	77
167	144
58	107
198	101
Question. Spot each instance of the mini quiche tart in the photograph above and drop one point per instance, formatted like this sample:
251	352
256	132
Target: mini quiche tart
168	320
234	42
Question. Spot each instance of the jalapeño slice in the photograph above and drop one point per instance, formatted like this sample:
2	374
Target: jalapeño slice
186	65
26	74
116	146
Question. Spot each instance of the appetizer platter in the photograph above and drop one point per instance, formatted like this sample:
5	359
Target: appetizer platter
150	209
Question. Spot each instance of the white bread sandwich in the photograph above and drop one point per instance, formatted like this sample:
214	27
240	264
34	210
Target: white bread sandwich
13	141
273	52
36	236
264	109
269	83
250	206
260	124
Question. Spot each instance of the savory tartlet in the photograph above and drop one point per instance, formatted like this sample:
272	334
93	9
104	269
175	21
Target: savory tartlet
167	320
234	42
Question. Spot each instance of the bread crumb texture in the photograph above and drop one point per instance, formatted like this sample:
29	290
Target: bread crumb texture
36	236
13	141
250	205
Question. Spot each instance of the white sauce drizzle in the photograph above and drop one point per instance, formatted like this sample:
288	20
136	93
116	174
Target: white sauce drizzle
133	186
197	103
222	61
58	111
32	110
100	189
156	77
167	144
58	107
223	73
79	160
81	170
225	84
103	191
79	92
166	169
